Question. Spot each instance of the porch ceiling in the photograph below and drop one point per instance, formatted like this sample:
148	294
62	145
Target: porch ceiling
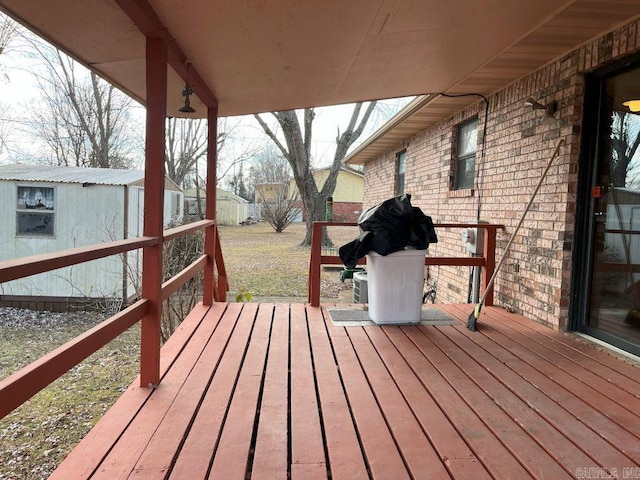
255	56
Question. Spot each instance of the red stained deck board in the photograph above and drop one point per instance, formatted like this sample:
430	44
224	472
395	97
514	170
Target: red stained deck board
346	460
573	365
271	443
380	449
456	455
97	443
232	454
419	455
483	442
534	457
623	375
308	471
159	454
307	445
195	455
578	433
121	459
179	340
519	345
91	450
534	424
629	371
571	400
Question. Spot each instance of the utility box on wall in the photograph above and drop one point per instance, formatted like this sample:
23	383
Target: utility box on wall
473	240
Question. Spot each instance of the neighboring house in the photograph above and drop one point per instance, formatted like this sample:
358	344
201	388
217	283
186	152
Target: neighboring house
575	262
230	208
347	196
48	208
274	195
269	192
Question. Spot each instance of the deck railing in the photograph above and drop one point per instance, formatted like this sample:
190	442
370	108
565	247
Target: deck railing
26	382
486	261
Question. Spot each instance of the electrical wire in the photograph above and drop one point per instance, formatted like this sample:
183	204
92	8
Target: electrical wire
479	170
480	164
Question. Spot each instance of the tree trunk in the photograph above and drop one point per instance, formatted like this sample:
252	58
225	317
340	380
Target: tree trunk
315	212
298	154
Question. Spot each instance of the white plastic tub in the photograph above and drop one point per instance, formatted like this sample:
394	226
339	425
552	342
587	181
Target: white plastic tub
395	284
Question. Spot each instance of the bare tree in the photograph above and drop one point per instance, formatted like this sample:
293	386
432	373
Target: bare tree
625	140
269	166
237	183
84	120
8	32
297	151
280	210
178	254
186	145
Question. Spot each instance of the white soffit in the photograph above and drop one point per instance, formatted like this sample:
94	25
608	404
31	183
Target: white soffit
258	56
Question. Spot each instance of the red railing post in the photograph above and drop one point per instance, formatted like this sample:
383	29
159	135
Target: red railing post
314	265
211	244
156	71
489	254
223	285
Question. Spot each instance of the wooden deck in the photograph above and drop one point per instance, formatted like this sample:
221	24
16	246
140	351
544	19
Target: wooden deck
277	391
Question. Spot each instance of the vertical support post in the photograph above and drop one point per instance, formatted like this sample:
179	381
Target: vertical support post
490	262
156	74
210	233
223	286
314	264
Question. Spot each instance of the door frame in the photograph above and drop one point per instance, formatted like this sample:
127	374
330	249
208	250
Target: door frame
584	229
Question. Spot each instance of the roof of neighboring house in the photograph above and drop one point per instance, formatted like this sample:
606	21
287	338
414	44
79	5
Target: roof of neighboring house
269	183
220	193
344	168
56	174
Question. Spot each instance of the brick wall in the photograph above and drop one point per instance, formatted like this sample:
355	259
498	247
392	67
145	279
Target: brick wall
342	211
346	211
535	278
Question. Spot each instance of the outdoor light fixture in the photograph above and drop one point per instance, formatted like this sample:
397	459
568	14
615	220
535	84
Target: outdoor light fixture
187	108
549	110
634	105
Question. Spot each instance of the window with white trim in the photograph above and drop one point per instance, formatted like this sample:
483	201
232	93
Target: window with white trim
35	213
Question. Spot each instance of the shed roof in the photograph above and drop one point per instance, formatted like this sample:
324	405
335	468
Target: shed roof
56	174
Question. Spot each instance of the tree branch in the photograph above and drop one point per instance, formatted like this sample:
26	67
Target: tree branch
272	136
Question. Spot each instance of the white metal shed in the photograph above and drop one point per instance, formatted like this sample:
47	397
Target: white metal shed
50	208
